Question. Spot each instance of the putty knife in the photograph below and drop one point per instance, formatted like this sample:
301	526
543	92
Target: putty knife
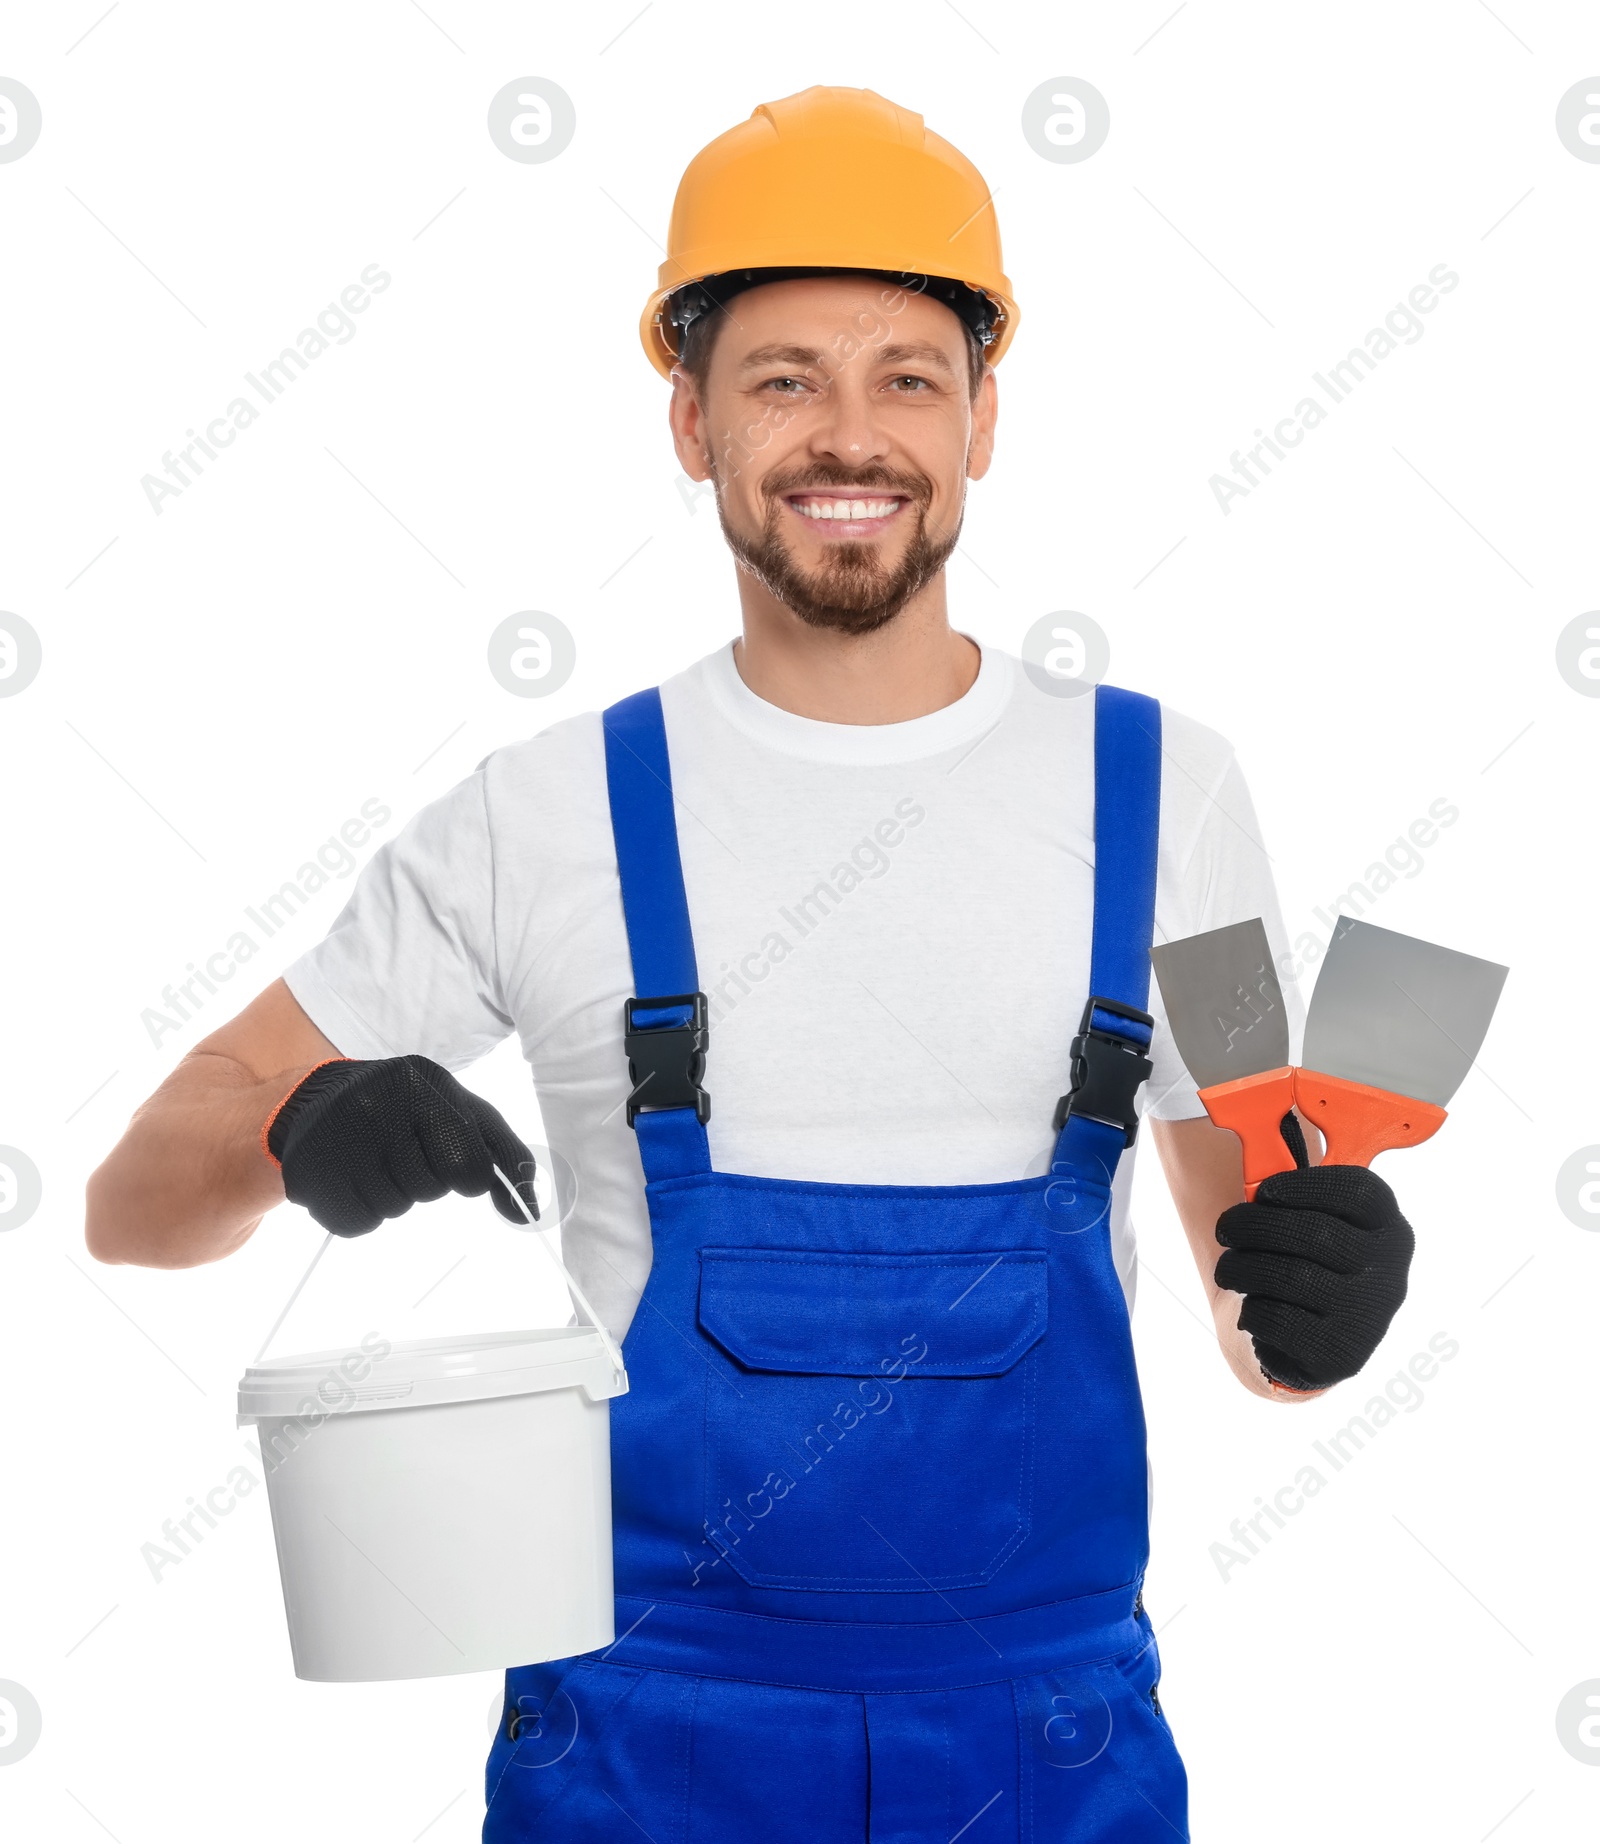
1394	1026
1226	1010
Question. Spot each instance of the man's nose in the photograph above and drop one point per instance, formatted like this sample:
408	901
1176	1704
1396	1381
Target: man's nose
847	427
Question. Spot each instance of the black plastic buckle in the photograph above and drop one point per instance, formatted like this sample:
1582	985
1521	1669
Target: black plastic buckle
1106	1072
667	1061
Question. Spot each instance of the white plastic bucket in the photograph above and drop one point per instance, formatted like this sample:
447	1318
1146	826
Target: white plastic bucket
444	1507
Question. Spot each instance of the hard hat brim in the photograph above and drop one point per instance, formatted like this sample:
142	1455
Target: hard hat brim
656	332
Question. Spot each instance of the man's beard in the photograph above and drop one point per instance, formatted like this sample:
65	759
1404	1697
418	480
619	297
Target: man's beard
851	592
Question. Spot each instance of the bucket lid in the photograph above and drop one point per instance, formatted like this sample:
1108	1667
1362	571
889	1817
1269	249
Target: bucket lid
378	1375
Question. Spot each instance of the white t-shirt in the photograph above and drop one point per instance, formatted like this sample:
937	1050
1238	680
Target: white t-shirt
892	924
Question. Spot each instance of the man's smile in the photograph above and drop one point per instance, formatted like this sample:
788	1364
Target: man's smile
846	515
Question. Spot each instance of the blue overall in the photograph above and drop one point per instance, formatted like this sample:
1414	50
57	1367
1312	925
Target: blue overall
879	1487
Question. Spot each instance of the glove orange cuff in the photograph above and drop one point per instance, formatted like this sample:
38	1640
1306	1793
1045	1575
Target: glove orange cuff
266	1125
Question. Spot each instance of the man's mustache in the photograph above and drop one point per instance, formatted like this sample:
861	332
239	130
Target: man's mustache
873	480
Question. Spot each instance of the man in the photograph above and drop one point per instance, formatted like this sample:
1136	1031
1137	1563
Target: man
879	1481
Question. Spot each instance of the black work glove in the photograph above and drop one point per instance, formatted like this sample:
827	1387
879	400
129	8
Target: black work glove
1321	1257
360	1141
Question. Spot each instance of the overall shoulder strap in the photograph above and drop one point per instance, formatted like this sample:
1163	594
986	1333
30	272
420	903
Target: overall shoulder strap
664	1024
1095	1120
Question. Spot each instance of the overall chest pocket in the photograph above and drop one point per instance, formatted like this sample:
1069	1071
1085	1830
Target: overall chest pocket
870	1420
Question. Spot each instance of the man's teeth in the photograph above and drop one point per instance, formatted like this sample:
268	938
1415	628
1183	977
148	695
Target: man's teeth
844	508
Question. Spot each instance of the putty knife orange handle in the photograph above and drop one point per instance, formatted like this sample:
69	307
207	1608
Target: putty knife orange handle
1252	1107
1358	1122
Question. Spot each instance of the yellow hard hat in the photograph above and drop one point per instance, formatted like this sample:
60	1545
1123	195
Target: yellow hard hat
834	179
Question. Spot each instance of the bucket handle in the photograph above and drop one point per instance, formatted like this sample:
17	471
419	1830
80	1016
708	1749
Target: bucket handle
588	1312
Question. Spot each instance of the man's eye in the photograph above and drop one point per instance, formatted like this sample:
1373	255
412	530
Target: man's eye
921	384
798	383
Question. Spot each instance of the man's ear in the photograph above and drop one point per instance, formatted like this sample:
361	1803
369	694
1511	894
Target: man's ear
687	419
985	411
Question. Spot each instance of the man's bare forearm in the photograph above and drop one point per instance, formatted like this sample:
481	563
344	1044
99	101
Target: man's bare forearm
188	1182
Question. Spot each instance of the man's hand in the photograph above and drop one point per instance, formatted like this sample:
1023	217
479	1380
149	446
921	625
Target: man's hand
362	1141
1321	1257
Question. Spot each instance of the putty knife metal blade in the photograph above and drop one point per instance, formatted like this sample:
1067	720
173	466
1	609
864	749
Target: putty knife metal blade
1228	1019
1399	1013
1223	1002
1394	1026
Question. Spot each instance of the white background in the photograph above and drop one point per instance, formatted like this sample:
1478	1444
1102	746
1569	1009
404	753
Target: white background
305	628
